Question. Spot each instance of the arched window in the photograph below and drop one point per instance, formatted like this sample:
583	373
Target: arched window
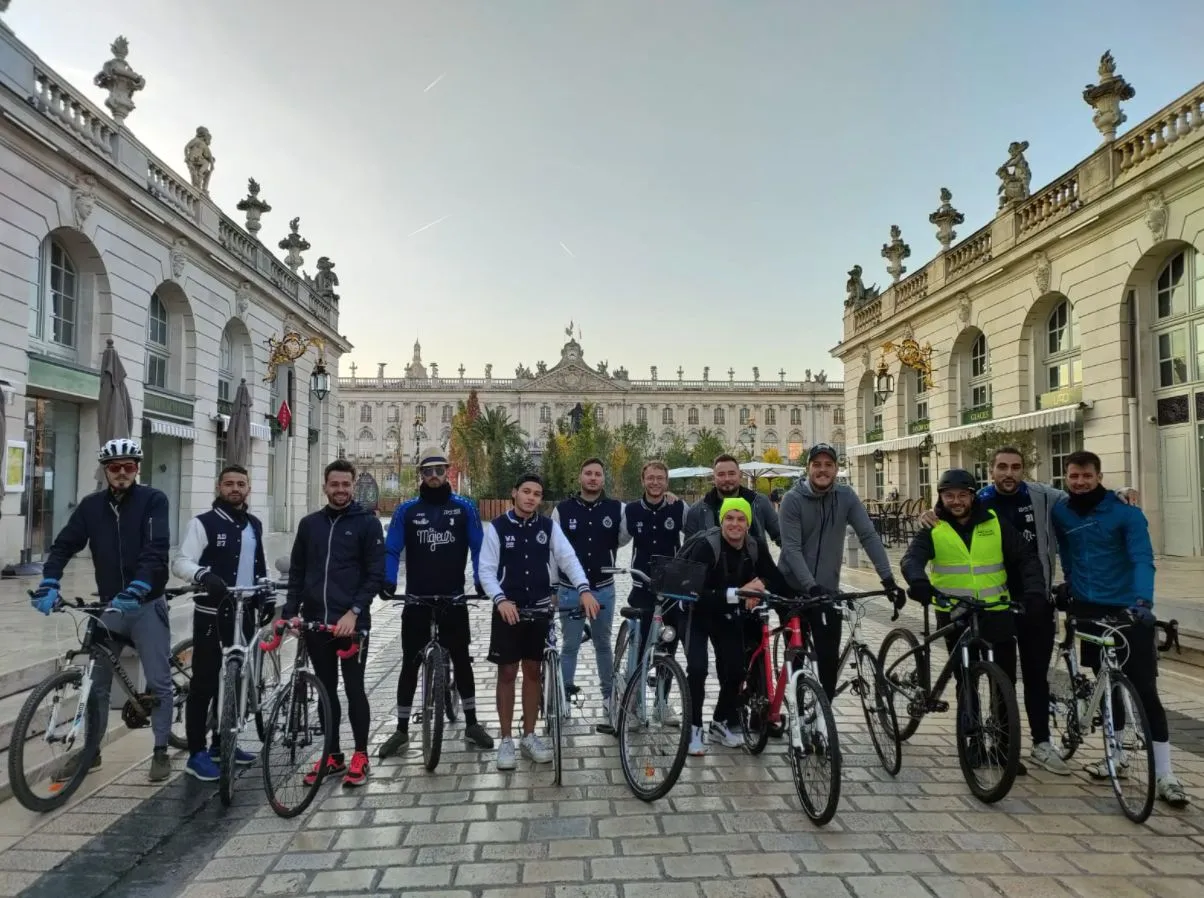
1063	361
719	419
54	315
225	370
980	374
667	416
158	350
692	417
1180	326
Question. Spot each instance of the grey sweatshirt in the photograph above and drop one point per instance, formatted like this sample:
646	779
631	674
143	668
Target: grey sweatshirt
813	531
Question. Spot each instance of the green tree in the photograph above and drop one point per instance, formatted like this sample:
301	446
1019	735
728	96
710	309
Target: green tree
677	453
503	443
465	449
631	448
708	445
555	469
979	449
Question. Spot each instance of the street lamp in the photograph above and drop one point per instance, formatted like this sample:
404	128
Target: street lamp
884	383
419	436
319	380
926	444
290	348
879	458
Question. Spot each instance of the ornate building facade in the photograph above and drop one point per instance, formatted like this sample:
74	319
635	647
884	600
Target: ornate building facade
104	243
1077	314
383	421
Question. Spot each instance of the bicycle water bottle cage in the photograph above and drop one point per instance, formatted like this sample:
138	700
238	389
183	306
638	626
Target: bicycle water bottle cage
136	715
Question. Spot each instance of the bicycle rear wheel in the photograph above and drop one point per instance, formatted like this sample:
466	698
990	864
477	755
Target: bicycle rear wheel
988	742
1129	751
879	711
228	731
550	676
903	680
815	756
269	683
434	696
181	685
300	737
39	728
754	707
1064	705
652	753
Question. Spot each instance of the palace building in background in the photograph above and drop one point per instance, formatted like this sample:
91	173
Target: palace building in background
384	421
101	240
1077	313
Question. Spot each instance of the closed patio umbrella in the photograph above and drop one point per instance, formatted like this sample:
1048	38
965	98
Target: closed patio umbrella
115	415
238	434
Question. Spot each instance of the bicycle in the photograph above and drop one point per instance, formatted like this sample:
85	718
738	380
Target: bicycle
1077	706
437	684
299	730
84	725
643	663
978	739
236	700
809	723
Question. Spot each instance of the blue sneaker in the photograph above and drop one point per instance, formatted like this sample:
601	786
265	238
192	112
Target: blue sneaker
241	758
203	767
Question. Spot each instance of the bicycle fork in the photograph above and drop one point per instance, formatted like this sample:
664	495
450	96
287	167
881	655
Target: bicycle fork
85	691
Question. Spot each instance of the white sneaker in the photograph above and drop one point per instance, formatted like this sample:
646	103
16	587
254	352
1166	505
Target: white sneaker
667	716
726	736
698	748
1044	755
533	748
505	755
1171	791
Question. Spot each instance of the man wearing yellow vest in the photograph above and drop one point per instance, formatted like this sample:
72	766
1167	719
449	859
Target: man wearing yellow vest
973	553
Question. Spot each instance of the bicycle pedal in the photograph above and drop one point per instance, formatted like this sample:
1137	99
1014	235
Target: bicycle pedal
940	707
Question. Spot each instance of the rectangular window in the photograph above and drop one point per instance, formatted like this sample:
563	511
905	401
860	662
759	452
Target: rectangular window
692	416
545	414
744	415
156	371
666	416
223	390
924	481
980	397
921	409
641	416
796	417
771	416
879	484
982	473
1172	358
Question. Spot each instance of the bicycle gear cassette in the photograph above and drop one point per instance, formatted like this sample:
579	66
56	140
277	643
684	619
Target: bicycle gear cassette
136	714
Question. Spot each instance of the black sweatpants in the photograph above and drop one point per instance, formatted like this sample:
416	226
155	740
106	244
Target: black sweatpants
455	636
322	648
999	629
1036	630
824	628
724	632
210	632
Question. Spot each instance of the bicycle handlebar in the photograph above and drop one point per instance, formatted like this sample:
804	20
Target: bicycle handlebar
301	626
634	573
545	612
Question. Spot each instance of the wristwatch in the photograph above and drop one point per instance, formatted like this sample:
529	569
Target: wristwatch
356	610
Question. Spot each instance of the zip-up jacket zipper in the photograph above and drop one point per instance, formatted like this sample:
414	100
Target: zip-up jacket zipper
326	572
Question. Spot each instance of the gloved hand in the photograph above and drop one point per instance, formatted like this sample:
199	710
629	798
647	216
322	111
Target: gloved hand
130	598
1142	612
815	591
46	597
1062	597
214	585
388	590
921	591
894	592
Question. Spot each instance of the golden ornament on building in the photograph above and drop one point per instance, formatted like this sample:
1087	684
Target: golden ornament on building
912	355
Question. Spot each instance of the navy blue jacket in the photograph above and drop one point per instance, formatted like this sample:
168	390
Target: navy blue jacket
592	529
129	539
337	565
435	533
1106	553
517	558
654	530
212	543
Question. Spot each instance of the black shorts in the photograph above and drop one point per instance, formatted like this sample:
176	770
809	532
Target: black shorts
416	628
511	643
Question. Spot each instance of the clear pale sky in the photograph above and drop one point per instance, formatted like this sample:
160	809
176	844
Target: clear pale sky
712	169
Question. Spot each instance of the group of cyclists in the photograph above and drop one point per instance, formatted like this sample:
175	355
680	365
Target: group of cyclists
997	545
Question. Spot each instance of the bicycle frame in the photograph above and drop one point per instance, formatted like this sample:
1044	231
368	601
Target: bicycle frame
247	701
1100	701
959	656
782	689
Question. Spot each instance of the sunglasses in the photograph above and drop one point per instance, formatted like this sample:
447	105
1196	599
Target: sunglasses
122	467
434	470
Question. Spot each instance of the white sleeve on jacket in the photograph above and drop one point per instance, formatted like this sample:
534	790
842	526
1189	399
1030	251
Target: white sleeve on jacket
491	552
564	557
624	536
187	563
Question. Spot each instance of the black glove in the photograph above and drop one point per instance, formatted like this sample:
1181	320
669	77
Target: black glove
388	590
815	591
894	592
214	585
921	591
1061	596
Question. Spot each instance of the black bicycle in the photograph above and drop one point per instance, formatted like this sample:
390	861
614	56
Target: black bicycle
73	718
988	726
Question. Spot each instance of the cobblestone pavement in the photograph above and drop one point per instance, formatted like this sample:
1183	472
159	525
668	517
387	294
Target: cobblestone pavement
732	827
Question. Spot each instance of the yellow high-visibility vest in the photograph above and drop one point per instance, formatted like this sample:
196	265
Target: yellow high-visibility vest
975	571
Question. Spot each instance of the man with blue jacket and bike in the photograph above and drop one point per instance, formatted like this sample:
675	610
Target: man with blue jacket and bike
1108	562
125	526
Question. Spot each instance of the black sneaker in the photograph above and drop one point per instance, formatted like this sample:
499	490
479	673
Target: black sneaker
475	733
394	743
67	772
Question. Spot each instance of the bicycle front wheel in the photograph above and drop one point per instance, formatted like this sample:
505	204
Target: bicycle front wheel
42	781
552	710
652	751
228	729
434	696
181	685
814	751
879	711
300	737
988	731
622	673
903	679
1129	749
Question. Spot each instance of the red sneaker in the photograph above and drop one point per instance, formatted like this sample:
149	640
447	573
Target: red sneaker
357	770
334	766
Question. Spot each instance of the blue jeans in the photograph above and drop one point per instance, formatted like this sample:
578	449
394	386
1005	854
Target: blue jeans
599	634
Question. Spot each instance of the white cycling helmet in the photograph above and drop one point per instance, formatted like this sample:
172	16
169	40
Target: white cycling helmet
122	447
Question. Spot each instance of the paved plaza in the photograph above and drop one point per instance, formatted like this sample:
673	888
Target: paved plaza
732	827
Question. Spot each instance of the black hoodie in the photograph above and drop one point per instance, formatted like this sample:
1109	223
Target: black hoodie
338	565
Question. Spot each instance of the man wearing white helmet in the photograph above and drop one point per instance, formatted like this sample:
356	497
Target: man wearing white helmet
126	527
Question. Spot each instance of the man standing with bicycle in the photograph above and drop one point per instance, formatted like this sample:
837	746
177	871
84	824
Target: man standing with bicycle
517	555
222	547
974	554
816	512
336	570
592	523
1108	562
126	528
434	534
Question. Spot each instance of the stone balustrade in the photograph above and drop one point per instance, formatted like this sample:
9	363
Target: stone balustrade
867	315
238	242
968	255
911	289
637	386
1058	199
1181	119
168	188
56	100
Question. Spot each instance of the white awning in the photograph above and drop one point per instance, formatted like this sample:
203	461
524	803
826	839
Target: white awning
172	429
258	431
1046	417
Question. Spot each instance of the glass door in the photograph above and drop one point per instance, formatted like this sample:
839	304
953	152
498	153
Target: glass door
51	479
